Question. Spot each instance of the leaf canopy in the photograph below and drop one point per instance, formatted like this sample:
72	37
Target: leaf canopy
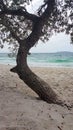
16	23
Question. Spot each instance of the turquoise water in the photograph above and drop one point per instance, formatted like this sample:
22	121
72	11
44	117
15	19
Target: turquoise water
60	59
5	59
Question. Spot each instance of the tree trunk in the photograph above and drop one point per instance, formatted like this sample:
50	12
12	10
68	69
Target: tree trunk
39	86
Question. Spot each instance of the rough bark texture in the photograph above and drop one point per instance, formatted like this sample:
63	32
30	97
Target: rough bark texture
44	91
39	86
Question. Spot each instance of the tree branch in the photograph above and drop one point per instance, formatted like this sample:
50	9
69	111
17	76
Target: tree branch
14	69
19	12
5	21
38	25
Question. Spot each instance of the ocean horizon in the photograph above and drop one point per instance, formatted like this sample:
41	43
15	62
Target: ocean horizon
57	59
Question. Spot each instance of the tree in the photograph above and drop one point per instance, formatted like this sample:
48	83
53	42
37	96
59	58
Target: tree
24	29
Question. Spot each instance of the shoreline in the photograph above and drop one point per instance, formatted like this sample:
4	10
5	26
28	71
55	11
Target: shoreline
36	66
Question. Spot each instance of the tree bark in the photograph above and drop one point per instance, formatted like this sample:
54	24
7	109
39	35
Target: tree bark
39	86
44	91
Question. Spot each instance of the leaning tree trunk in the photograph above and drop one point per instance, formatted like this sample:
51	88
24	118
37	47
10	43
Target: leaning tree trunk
39	86
44	91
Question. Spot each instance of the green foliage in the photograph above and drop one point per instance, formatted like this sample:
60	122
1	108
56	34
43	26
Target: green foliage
61	20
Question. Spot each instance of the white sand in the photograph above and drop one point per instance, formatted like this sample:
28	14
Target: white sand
20	108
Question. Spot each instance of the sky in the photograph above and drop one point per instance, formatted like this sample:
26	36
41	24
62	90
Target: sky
57	43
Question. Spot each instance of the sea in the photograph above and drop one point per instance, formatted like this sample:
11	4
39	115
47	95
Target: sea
58	59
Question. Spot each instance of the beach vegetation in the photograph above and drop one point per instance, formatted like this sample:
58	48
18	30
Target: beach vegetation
23	29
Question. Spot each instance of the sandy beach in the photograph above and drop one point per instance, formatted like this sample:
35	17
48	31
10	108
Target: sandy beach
20	108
